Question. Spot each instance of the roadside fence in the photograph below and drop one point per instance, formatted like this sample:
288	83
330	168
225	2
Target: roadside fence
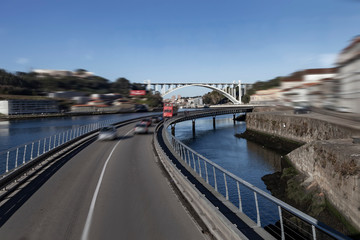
16	157
280	219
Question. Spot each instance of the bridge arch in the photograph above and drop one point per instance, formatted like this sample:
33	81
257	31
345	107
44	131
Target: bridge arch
222	92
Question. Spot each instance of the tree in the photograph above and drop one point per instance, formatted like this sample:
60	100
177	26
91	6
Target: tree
214	98
154	100
245	98
121	85
138	86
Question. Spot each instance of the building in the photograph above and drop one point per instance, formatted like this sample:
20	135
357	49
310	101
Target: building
66	94
297	86
195	102
348	78
268	96
62	73
21	106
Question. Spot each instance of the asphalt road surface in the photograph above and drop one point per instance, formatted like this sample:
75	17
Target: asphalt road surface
109	190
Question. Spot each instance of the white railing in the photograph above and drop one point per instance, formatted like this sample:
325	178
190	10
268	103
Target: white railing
16	157
287	222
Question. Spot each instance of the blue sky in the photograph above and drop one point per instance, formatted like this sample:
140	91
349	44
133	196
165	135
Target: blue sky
173	41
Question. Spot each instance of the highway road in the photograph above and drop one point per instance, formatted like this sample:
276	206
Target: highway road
109	190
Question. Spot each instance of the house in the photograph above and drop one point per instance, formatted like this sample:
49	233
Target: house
62	73
27	106
348	78
297	87
268	96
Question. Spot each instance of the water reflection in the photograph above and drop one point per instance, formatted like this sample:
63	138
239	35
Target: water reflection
271	157
4	128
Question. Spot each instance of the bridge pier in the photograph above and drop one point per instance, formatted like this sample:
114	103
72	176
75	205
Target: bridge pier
214	125
173	130
193	127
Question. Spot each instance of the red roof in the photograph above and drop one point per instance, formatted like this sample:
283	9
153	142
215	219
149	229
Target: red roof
355	41
292	79
311	84
320	71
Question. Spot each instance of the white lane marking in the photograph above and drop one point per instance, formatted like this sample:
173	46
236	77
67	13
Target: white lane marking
85	234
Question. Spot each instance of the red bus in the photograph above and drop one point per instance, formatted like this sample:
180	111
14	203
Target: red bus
169	110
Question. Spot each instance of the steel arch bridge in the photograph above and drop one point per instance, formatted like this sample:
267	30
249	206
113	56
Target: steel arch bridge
226	89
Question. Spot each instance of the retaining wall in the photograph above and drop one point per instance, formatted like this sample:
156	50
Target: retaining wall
329	157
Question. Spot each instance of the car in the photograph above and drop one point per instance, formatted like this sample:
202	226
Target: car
141	128
343	109
301	107
300	110
156	119
107	133
147	121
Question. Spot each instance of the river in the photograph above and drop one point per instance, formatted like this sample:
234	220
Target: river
243	158
17	132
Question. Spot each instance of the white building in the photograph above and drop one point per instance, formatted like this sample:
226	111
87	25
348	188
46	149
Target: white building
20	106
296	86
66	94
62	73
348	78
195	102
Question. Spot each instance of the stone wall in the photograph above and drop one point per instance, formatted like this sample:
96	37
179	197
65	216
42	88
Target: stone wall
335	166
329	157
297	127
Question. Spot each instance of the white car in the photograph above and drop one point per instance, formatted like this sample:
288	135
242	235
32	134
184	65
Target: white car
107	133
141	128
343	109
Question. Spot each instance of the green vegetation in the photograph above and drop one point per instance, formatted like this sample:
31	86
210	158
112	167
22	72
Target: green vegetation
152	100
214	98
353	232
22	83
261	86
32	84
265	85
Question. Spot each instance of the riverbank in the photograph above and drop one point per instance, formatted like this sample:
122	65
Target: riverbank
326	165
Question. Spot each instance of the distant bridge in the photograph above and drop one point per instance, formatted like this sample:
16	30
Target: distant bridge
233	91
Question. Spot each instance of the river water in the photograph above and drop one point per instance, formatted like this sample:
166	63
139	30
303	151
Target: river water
243	158
17	132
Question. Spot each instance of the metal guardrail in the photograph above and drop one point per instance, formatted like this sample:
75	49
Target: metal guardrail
212	222
24	161
16	157
189	115
292	223
19	156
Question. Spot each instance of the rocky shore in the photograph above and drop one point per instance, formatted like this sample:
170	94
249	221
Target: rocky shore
320	177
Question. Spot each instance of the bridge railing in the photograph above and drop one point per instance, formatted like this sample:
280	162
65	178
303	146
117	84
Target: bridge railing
19	156
289	223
